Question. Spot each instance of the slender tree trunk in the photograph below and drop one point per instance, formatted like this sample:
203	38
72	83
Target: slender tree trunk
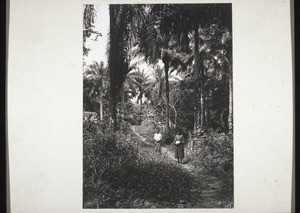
175	119
207	113
198	89
230	115
168	98
200	75
141	102
175	114
230	110
198	114
195	118
230	107
112	64
166	63
101	105
202	106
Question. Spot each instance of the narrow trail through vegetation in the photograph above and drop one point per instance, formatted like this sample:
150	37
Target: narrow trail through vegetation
205	191
131	174
167	66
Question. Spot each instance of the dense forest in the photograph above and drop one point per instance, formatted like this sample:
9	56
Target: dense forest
186	85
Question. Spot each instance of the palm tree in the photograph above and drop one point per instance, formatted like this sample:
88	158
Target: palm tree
166	29
160	28
89	15
156	91
157	88
219	52
129	89
123	19
141	81
201	16
168	26
156	42
216	51
96	73
227	55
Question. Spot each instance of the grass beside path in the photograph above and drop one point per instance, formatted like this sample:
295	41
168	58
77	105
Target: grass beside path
205	188
146	131
130	174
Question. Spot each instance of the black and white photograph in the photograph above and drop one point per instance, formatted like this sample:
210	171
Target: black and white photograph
150	106
158	106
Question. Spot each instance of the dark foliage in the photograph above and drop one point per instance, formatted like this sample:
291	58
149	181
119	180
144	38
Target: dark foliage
118	171
115	177
213	152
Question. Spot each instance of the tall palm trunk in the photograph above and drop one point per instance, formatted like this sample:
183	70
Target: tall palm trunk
230	115
202	105
100	102
198	81
116	62
207	112
141	102
112	64
230	107
166	64
141	99
175	114
200	76
196	119
121	108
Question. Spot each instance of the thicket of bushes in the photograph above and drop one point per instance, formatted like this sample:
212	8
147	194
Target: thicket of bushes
115	177
130	113
214	153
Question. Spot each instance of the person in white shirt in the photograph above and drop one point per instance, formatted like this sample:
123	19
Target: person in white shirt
158	138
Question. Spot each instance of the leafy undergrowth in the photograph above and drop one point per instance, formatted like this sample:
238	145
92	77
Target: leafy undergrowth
213	156
146	130
212	162
121	171
117	175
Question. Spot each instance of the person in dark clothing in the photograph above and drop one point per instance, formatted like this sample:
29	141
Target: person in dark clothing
179	146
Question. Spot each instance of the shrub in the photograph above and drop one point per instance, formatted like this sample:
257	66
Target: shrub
102	151
115	177
130	113
214	153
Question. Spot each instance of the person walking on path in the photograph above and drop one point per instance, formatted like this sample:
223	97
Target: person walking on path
157	138
179	146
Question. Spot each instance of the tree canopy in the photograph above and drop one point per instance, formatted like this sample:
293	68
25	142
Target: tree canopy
193	44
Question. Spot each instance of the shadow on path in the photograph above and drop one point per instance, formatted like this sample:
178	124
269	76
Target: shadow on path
204	189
